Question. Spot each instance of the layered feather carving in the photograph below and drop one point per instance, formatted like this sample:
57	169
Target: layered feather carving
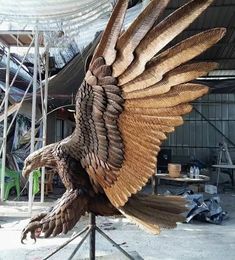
161	35
173	57
134	94
96	140
106	47
149	210
130	39
179	75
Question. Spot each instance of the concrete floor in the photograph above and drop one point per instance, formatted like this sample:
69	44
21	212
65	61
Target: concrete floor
187	241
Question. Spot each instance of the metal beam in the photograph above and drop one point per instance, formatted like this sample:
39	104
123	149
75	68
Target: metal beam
16	39
44	119
32	144
193	30
170	8
224	72
24	32
30	36
20	104
4	143
217	60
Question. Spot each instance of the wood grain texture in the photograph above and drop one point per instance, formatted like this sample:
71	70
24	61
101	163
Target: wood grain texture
179	75
161	35
175	56
154	212
134	93
177	95
166	111
97	141
106	47
130	39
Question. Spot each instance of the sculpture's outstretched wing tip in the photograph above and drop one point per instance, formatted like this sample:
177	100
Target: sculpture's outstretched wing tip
106	47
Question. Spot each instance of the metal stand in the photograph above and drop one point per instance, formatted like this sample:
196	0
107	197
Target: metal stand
224	158
89	230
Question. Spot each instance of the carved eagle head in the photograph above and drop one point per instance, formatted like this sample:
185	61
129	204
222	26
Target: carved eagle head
40	158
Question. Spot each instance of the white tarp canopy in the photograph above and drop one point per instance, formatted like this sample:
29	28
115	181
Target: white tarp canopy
52	9
79	20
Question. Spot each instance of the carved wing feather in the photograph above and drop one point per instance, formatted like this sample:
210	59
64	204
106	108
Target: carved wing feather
130	39
179	75
130	98
106	47
161	34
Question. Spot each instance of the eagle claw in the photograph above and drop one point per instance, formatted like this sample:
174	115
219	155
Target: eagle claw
31	227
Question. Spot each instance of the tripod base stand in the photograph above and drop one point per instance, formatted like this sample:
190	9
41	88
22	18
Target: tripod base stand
89	230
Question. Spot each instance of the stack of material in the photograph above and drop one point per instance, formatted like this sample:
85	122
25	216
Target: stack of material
174	170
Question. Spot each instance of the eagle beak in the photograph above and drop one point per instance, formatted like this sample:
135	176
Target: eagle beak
26	171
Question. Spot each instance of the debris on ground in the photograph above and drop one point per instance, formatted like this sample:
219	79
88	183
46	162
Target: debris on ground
202	209
206	210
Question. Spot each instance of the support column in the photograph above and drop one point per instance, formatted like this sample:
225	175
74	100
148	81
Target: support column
4	141
92	236
44	120
32	144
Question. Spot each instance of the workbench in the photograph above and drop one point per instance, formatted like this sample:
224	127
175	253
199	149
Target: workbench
184	179
227	167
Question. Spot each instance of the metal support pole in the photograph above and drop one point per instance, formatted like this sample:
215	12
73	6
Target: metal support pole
44	120
80	243
5	125
92	236
32	144
91	229
86	229
114	244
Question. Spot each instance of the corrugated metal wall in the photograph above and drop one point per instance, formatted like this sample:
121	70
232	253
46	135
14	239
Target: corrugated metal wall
197	137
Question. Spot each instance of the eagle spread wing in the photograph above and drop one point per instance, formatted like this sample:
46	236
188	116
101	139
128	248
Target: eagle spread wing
135	91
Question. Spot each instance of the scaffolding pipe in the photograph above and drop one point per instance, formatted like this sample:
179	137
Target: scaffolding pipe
18	70
32	144
44	120
20	105
16	112
7	87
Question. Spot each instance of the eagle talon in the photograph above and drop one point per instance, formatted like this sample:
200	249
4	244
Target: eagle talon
32	228
23	237
33	236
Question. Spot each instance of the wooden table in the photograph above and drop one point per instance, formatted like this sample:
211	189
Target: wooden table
183	179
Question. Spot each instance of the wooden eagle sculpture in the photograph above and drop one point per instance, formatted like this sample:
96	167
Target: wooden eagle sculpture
135	91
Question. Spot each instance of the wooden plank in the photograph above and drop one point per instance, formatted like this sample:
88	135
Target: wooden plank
11	110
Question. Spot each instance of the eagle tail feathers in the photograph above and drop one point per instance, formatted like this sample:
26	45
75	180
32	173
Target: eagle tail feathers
152	212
